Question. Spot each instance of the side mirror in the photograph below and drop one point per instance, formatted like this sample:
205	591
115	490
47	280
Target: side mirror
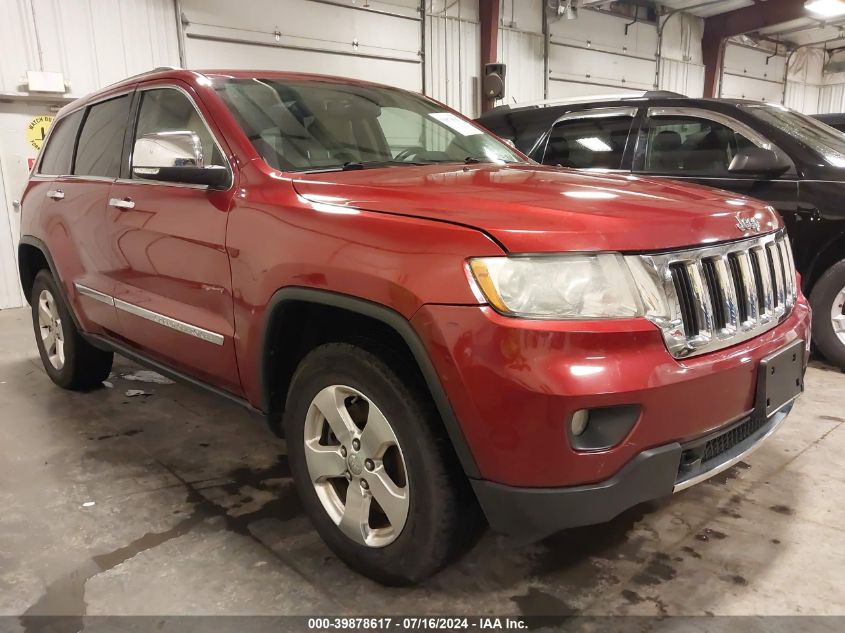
175	157
757	161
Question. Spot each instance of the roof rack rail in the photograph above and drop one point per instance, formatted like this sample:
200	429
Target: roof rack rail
663	94
543	103
157	69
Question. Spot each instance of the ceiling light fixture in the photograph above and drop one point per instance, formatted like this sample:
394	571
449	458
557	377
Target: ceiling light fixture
826	8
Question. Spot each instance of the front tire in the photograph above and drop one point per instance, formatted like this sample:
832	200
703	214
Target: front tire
70	361
373	468
828	302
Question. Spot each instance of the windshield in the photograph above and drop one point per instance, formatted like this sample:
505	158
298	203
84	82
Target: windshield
315	125
827	142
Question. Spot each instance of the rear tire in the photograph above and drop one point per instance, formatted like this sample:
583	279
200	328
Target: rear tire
70	361
828	302
406	541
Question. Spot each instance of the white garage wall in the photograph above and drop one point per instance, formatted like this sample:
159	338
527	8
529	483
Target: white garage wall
93	42
380	42
752	73
522	48
592	55
681	65
804	81
832	93
452	54
453	58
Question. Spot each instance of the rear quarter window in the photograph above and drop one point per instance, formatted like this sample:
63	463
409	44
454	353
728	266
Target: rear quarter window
58	152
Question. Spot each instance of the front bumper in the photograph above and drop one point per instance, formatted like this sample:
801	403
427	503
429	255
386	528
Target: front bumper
514	386
531	514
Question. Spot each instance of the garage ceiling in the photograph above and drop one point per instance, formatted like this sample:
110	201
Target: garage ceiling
803	31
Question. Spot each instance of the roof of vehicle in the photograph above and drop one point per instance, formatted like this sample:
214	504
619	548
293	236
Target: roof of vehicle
616	100
171	72
831	117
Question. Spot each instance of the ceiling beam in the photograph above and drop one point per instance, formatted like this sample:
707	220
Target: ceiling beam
719	27
753	18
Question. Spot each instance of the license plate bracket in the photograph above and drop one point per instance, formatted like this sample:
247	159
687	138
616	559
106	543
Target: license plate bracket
780	378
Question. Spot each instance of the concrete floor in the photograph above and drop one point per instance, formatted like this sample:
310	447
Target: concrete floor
180	503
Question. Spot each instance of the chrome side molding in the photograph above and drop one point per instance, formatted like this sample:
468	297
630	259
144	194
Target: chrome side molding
155	317
94	294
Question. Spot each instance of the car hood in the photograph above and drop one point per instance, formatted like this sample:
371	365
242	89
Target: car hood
531	208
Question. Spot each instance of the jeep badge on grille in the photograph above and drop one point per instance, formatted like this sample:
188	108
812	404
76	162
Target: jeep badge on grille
747	224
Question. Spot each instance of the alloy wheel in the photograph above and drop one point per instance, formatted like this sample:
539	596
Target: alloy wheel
356	466
837	315
50	329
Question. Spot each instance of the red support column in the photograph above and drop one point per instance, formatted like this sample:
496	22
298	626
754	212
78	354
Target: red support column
488	15
721	26
712	50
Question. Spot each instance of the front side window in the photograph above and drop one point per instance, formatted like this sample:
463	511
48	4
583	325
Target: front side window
822	139
314	125
58	153
101	139
690	144
588	143
168	124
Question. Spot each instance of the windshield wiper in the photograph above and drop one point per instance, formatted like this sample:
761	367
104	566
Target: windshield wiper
365	164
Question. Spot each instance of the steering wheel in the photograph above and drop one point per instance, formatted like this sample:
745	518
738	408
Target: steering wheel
408	152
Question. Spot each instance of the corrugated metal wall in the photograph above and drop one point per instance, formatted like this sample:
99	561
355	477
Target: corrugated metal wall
522	48
804	82
93	42
452	54
453	59
681	67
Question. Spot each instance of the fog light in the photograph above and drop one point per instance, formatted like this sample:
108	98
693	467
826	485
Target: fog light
603	427
580	419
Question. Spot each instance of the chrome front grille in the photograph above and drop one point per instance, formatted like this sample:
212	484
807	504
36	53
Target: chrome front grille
709	298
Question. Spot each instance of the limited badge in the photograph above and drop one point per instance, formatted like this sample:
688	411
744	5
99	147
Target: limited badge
36	131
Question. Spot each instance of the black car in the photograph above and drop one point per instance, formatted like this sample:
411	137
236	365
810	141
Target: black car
763	150
836	120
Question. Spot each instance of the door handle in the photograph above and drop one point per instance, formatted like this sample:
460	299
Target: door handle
123	204
56	194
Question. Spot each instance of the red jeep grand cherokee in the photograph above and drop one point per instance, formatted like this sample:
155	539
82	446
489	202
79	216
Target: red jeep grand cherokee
442	329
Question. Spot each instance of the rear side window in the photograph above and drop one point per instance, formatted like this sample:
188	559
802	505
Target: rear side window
589	143
101	140
58	152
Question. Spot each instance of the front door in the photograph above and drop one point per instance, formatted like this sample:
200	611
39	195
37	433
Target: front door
173	290
697	145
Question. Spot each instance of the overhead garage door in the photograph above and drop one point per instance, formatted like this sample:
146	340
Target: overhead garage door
378	42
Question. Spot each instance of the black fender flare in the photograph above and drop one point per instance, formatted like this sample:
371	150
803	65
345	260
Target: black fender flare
390	318
29	240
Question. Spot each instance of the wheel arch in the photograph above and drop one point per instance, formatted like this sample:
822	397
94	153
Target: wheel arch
833	251
286	337
32	257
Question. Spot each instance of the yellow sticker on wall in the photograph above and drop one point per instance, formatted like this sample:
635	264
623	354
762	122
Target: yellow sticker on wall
36	131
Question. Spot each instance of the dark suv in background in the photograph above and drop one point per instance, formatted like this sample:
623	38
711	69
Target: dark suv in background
767	151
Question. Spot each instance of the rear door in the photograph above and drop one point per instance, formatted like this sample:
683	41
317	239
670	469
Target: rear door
173	290
80	162
697	145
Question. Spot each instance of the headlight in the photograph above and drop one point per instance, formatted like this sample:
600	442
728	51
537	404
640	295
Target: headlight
576	286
